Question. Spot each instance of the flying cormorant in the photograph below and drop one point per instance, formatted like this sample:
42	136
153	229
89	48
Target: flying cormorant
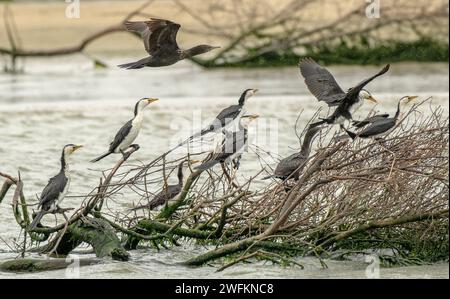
160	41
324	87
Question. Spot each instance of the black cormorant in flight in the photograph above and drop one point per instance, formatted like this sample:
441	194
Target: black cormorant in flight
129	132
160	41
168	193
324	87
381	126
233	145
291	167
57	187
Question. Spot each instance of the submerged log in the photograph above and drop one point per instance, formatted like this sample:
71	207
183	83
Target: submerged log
96	232
37	265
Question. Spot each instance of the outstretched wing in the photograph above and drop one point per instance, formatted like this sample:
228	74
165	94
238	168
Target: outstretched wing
353	92
321	82
120	136
157	34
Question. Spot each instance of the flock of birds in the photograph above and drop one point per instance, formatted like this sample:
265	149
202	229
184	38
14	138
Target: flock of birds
159	38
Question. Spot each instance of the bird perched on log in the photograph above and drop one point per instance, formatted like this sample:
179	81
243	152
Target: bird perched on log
168	193
57	187
324	87
129	132
160	41
291	167
226	117
381	126
233	145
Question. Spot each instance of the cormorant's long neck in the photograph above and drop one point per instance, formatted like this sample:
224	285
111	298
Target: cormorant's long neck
194	51
242	100
307	141
397	114
136	110
180	174
64	162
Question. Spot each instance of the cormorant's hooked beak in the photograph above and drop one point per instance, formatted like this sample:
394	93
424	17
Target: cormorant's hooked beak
151	100
251	117
191	162
215	47
76	147
372	99
410	98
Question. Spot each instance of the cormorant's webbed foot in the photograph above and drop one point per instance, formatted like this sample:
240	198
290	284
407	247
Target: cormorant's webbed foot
236	163
128	153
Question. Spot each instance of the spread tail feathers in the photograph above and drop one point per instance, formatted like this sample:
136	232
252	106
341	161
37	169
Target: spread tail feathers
101	157
36	220
207	165
132	65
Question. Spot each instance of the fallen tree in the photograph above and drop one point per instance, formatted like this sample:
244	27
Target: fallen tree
351	196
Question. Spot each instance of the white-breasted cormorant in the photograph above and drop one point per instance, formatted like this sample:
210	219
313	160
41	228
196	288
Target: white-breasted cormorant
168	193
160	41
380	126
324	87
232	146
226	117
57	187
129	131
292	166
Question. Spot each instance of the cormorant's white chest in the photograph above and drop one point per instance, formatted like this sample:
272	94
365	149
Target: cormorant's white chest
136	125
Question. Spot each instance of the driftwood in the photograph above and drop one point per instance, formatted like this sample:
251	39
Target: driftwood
38	265
352	195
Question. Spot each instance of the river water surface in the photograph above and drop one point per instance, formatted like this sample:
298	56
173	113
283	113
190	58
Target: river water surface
58	102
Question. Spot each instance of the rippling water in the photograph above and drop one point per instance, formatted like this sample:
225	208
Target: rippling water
54	104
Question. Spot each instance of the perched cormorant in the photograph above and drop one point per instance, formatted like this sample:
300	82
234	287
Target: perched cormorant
129	131
233	145
362	123
57	187
226	117
324	87
168	192
160	41
381	126
291	167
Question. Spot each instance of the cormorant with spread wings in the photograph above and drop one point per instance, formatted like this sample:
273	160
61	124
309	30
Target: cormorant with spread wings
324	87
160	41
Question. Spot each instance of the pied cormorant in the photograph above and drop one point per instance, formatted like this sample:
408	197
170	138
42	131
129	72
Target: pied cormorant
57	187
324	87
381	126
129	131
233	145
226	117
